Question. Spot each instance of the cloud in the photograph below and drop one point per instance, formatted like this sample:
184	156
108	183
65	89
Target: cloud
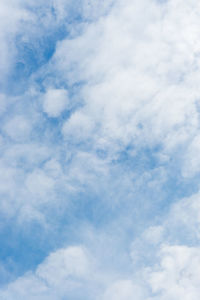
78	128
64	263
18	128
55	102
177	275
99	148
168	270
58	276
11	14
123	290
132	82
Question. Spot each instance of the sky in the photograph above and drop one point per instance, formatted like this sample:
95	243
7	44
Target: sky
99	150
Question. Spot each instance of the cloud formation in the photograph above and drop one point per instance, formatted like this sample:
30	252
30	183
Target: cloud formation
99	150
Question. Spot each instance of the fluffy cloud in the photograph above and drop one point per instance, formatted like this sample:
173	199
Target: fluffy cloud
18	128
55	102
141	87
178	275
58	276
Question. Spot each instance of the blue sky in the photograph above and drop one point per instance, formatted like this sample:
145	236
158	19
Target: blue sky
99	150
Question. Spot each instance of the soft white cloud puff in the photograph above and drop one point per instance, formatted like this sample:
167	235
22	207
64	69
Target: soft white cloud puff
62	264
79	127
177	276
18	128
39	183
123	290
55	102
140	75
60	275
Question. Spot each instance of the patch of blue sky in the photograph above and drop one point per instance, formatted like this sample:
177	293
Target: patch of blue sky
30	57
22	252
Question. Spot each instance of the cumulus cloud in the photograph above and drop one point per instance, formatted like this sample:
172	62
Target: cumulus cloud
123	289
78	128
138	88
58	276
177	276
18	128
55	102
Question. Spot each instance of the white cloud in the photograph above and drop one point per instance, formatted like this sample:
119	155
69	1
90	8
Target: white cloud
18	128
53	168
184	219
39	184
28	156
123	290
61	275
177	277
141	88
55	102
61	265
79	127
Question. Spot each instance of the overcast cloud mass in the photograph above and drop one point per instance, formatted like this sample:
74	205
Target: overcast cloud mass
99	150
